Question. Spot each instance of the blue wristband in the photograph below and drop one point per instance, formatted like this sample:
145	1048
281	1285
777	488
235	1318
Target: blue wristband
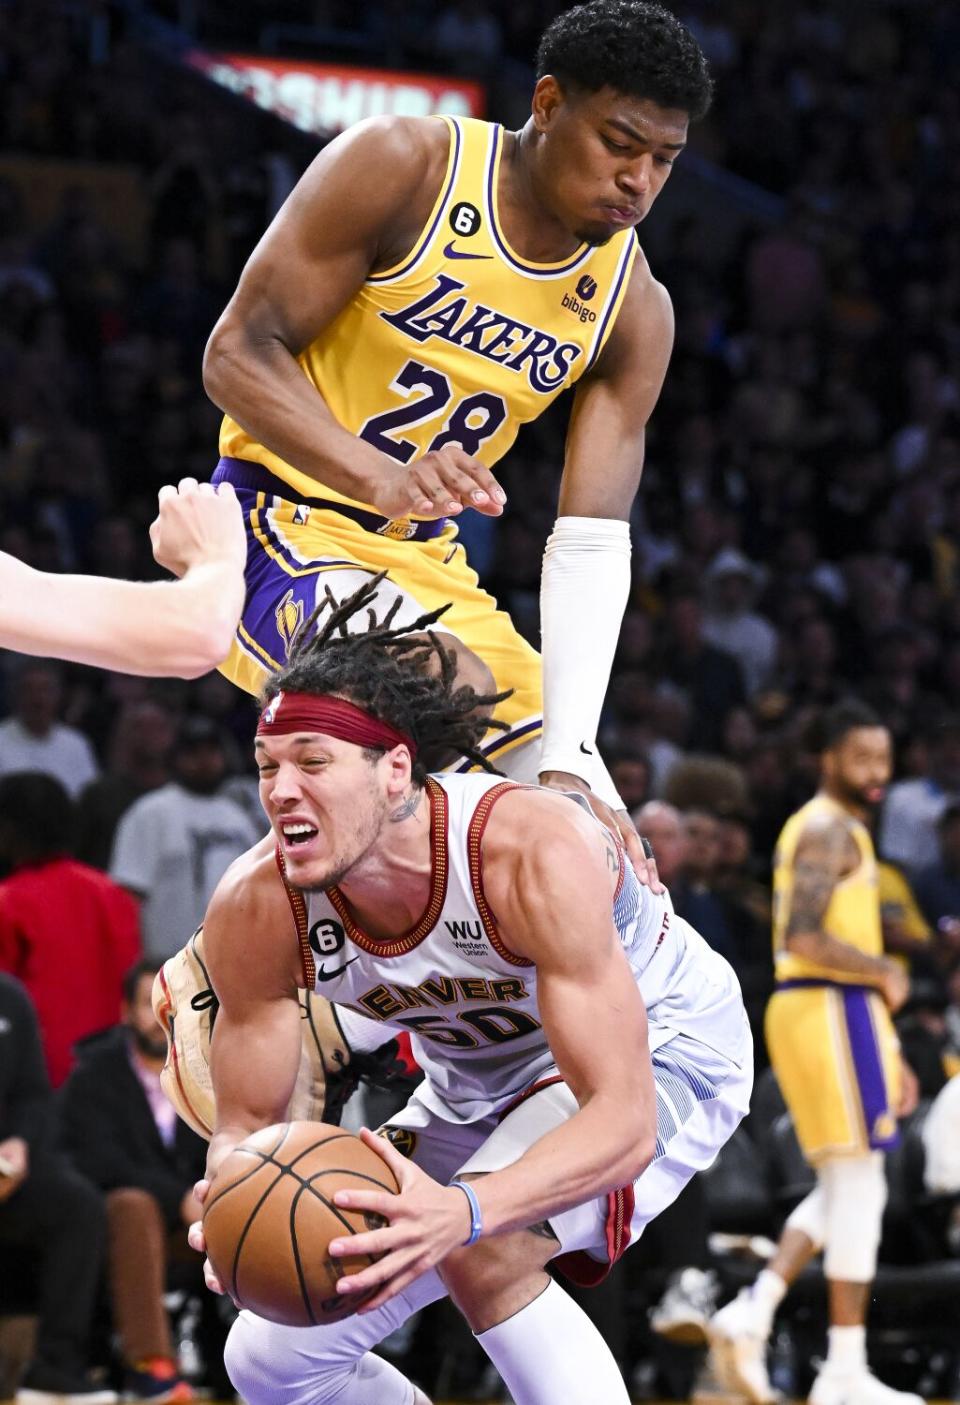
476	1218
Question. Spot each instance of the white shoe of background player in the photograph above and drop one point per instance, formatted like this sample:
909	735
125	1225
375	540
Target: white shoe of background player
738	1349
683	1313
834	1387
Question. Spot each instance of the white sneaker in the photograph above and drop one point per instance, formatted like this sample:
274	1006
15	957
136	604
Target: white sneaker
683	1312
833	1387
738	1349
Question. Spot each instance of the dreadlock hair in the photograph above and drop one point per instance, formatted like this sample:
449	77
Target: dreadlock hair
639	49
386	670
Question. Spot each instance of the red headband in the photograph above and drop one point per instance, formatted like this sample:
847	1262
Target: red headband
335	717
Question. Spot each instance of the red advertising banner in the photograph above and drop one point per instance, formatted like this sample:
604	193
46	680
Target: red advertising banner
325	97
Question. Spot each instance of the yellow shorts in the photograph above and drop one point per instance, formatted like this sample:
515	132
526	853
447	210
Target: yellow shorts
296	550
836	1056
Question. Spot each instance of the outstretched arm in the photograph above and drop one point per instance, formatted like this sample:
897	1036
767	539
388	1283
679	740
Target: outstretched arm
178	628
586	567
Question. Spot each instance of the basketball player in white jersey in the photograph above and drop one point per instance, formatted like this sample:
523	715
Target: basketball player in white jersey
584	1050
160	629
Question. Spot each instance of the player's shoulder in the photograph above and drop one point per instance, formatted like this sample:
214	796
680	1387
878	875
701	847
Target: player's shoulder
398	149
645	292
547	825
824	831
251	890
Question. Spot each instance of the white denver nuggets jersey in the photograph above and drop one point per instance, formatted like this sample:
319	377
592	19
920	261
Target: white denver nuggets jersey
470	1003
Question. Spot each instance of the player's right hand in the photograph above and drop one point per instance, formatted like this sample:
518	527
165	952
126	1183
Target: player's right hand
196	1240
440	484
894	985
198	523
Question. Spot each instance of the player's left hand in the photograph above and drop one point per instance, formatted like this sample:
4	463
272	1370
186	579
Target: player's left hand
426	1221
619	822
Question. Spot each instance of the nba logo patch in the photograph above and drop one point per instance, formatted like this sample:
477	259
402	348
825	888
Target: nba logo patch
271	710
301	514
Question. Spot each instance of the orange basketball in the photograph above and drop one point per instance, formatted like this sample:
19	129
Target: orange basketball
270	1216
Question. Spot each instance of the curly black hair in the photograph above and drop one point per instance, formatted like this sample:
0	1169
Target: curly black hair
403	676
829	727
635	48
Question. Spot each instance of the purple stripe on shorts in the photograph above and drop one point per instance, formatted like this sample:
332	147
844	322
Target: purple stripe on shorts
880	1123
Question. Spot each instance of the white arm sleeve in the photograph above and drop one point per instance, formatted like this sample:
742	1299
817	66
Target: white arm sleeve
583	593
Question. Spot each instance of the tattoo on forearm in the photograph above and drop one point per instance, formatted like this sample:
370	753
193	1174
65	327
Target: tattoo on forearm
821	860
613	858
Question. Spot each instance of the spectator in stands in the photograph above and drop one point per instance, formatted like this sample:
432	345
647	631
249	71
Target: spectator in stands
937	886
908	825
124	1135
48	1211
710	677
467	36
138	762
66	931
173	846
33	740
662	825
631	774
694	895
730	622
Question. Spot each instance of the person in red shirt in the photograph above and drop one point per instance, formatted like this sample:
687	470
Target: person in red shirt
68	932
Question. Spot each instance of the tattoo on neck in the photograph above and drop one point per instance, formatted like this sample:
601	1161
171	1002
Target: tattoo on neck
406	808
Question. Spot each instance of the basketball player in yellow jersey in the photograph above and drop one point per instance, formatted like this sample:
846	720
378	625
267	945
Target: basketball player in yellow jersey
835	1053
431	285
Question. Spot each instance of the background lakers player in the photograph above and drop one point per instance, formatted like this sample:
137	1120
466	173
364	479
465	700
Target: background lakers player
429	286
836	1056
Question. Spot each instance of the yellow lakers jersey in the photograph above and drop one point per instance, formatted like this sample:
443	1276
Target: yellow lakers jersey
853	914
463	341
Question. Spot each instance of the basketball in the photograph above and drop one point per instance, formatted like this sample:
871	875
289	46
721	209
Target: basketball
270	1217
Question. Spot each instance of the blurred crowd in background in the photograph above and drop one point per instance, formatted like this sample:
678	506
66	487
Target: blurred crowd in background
796	538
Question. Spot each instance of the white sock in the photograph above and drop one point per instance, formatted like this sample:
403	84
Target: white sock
274	1365
846	1349
550	1351
767	1293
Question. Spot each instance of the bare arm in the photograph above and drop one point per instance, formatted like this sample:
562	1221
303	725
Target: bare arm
255	1049
362	202
162	628
605	441
586	573
824	855
554	901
